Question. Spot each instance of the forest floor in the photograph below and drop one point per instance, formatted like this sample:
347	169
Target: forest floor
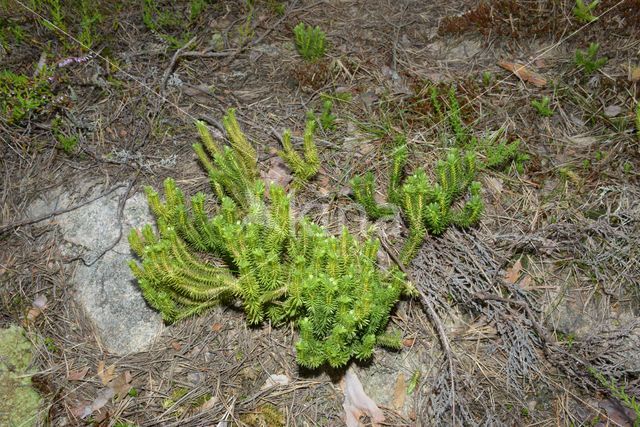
540	302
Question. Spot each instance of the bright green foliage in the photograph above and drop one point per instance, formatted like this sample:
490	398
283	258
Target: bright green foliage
502	154
428	207
21	96
56	15
400	155
233	169
304	166
90	17
279	268
589	60
310	41
542	106
68	143
487	77
364	193
326	119
619	393
583	12
455	120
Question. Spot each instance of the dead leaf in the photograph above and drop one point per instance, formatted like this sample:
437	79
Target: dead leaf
357	403
176	345
523	73
635	74
208	404
77	375
513	274
525	283
408	342
275	380
39	304
121	384
216	327
105	374
617	413
277	172
84	409
399	393
612	110
324	184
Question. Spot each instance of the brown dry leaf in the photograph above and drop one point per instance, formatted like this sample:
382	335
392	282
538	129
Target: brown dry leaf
408	342
523	73
277	172
33	314
121	384
39	304
105	374
176	345
525	283
399	393
216	327
618	414
357	403
77	375
208	404
635	74
514	272
324	184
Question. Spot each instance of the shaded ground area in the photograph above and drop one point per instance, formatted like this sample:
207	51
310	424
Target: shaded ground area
539	304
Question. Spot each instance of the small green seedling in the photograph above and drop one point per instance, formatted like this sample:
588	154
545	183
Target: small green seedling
588	60
487	77
542	106
627	167
583	12
310	41
326	119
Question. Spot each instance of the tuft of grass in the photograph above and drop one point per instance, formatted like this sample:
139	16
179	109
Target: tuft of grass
67	143
487	77
583	11
310	41
588	60
542	106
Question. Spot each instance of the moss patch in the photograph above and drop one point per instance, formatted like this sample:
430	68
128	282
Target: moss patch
19	402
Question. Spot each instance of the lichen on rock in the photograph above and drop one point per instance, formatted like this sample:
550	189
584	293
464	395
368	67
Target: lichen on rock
19	401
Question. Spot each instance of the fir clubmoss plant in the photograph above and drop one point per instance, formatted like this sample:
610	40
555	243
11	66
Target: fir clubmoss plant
584	12
364	193
429	208
588	60
279	268
326	119
542	106
306	166
425	206
455	120
310	41
502	154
